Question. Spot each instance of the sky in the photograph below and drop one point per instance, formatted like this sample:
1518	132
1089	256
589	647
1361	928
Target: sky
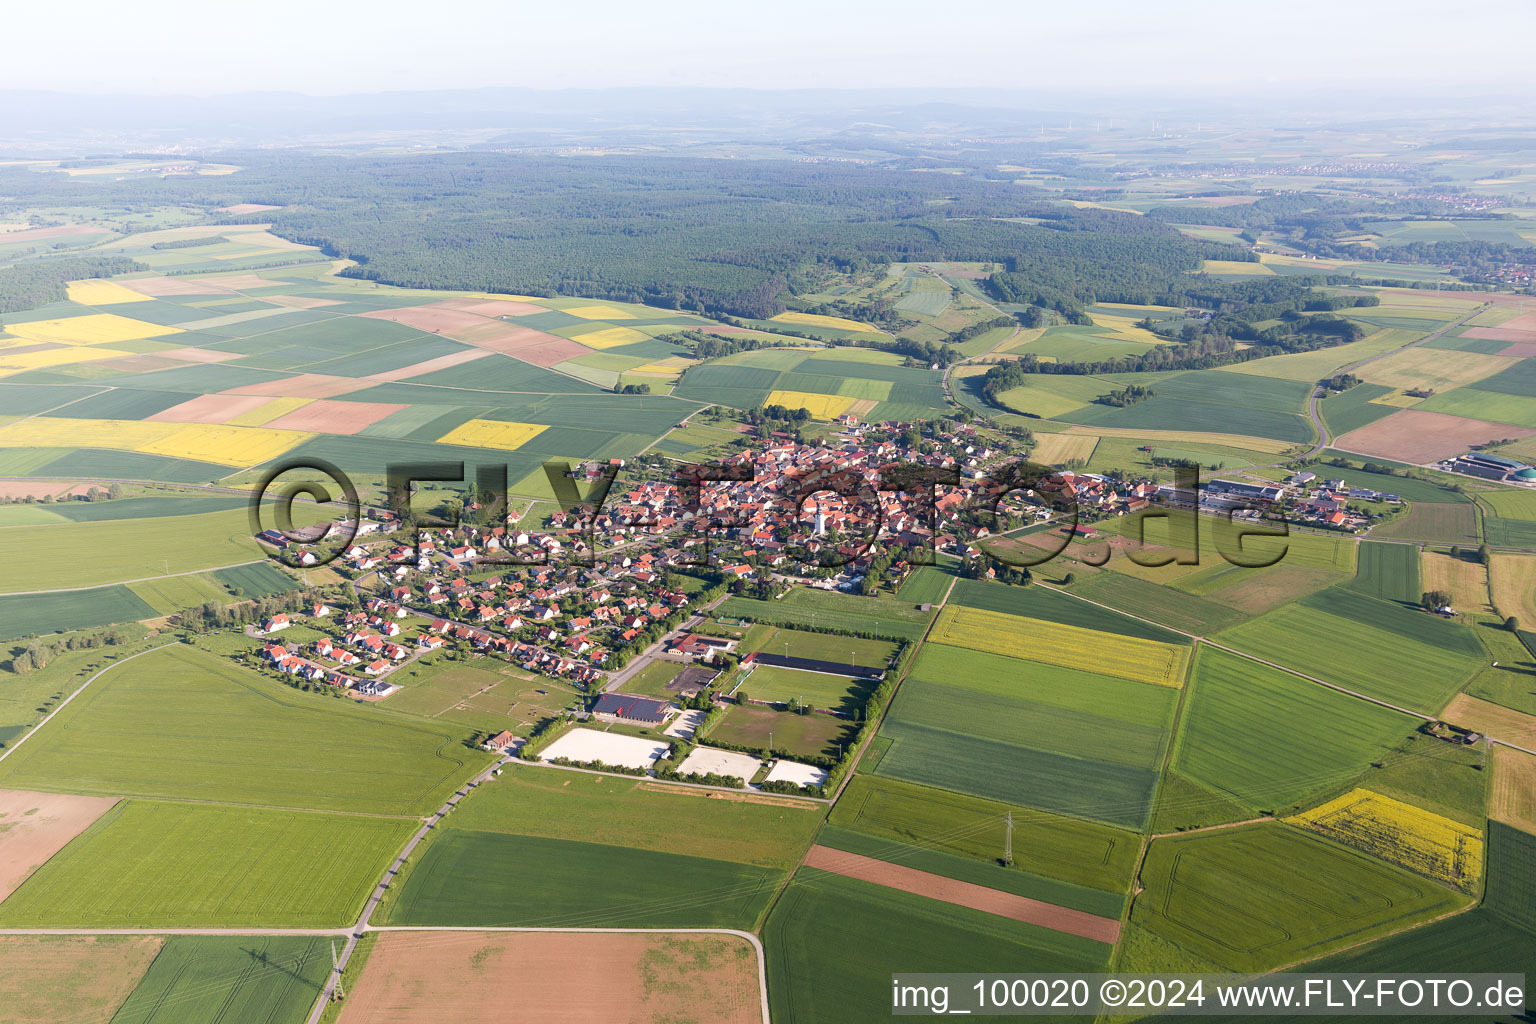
1110	46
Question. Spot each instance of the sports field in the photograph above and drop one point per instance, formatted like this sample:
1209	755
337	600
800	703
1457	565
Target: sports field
184	723
794	734
767	832
151	864
815	689
1258	897
461	879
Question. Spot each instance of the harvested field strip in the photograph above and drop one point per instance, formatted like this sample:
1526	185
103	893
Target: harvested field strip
1514	788
1512	581
964	894
1465	580
1422	841
1056	644
1060	449
1492	719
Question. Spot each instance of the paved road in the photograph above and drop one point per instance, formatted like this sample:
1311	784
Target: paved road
1324	439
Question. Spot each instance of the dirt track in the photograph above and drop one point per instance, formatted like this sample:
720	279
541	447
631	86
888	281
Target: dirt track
964	894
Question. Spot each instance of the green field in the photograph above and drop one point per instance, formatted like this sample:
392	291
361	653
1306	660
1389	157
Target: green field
150	864
816	689
1055	606
1512	875
1173	608
124	549
1268	739
1260	896
180	722
1070	850
832	944
462	879
926	585
794	735
798	643
992	875
178	593
803	606
625	812
1387	571
1378	663
259	579
250	979
28	614
1406	619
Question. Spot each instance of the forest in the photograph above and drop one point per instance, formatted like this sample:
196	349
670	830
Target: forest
709	235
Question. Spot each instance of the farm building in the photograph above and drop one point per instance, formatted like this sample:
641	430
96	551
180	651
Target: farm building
626	707
499	742
1490	467
691	680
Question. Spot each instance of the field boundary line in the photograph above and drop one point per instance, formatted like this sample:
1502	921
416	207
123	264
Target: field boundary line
141	579
78	690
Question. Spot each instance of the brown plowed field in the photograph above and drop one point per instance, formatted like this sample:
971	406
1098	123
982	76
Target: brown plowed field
79	979
494	307
1522	349
556	978
494	335
964	894
1499	333
427	366
209	409
160	287
35	826
305	385
335	417
198	355
1415	436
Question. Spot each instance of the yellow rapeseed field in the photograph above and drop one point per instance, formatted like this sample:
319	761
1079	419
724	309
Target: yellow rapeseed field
16	362
267	412
599	313
1055	643
229	446
493	434
822	407
817	320
103	293
1420	840
62	432
94	329
611	337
